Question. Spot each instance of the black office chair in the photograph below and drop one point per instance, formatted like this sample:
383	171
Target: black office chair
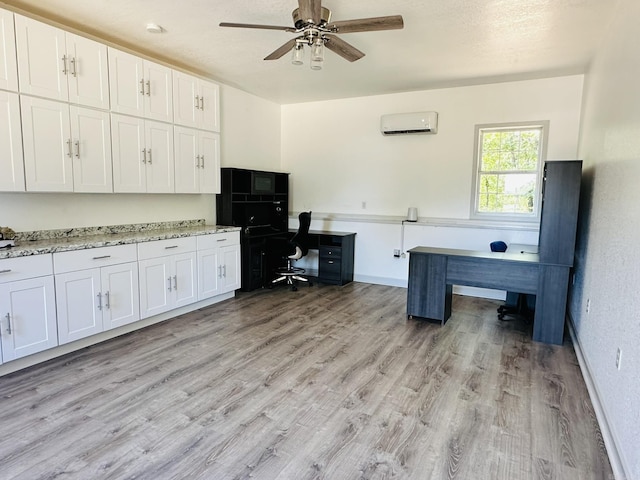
298	247
516	304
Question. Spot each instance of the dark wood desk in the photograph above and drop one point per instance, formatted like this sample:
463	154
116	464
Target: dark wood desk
434	271
335	255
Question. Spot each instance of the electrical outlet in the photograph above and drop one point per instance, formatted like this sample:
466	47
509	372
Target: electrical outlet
618	359
364	205
396	253
588	305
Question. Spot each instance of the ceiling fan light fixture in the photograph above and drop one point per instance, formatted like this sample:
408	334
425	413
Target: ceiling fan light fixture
297	54
317	54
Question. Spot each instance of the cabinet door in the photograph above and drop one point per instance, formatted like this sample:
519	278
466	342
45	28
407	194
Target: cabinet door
126	83
156	286
184	279
158	100
8	65
230	259
120	294
129	161
187	158
186	99
11	164
209	162
42	59
47	145
209	273
91	133
160	159
79	305
88	75
210	106
28	317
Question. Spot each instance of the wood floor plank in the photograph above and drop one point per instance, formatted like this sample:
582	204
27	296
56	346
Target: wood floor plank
323	383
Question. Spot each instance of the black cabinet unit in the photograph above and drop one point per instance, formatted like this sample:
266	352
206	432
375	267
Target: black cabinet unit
258	202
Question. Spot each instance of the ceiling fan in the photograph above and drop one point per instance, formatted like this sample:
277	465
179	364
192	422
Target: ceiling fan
312	24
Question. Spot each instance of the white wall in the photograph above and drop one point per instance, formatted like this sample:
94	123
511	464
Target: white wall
338	160
250	135
607	270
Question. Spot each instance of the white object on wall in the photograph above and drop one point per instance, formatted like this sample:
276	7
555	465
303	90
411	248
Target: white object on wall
408	123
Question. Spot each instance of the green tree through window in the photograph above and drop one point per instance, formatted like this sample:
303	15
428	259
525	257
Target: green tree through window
508	165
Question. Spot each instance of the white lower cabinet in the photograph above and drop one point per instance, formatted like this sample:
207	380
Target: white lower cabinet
167	275
218	264
27	306
96	290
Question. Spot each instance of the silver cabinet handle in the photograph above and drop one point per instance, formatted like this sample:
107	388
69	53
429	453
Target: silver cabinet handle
144	155
224	269
9	323
197	161
221	240
64	65
170	247
330	262
202	158
69	152
74	70
150	159
77	144
107	304
99	301
197	102
5	271
169	283
175	282
201	103
142	86
102	257
148	83
219	271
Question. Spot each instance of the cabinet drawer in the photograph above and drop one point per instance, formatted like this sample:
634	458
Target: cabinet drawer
330	252
329	267
162	248
93	257
21	268
217	240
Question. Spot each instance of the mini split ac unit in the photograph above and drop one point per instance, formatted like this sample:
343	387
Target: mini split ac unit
409	123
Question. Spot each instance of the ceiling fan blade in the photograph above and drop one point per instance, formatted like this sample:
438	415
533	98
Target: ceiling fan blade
310	10
392	22
283	50
252	25
342	48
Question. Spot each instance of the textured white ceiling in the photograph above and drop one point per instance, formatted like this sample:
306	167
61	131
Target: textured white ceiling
444	42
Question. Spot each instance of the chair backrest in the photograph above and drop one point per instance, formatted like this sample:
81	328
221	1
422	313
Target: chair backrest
301	238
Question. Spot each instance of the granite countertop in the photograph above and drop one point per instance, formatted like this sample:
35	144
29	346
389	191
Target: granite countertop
52	241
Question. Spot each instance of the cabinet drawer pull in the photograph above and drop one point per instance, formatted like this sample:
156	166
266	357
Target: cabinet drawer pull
201	103
102	257
142	86
224	270
150	159
170	247
69	152
330	262
8	270
144	155
175	282
77	148
107	304
9	323
197	161
169	283
202	158
64	64
148	88
99	295
221	240
74	70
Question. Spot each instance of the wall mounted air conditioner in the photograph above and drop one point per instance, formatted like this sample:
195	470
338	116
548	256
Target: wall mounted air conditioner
408	123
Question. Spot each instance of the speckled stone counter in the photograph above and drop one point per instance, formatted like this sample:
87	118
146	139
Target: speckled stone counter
51	241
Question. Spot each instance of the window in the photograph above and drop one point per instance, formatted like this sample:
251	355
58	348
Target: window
507	174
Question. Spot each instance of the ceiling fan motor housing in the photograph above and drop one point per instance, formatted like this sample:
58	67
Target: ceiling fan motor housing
300	23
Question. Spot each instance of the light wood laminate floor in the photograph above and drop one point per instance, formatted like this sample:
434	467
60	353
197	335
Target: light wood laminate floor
324	383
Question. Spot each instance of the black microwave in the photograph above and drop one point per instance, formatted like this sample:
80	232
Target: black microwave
263	183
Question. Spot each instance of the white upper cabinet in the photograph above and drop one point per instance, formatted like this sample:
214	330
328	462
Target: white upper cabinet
139	87
196	102
11	165
197	161
143	156
59	65
8	66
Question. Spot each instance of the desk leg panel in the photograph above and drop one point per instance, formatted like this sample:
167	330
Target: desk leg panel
428	294
551	304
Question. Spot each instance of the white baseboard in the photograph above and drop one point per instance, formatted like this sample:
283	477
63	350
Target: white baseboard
615	459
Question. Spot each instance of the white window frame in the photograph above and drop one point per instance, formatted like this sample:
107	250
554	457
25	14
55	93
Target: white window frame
542	156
